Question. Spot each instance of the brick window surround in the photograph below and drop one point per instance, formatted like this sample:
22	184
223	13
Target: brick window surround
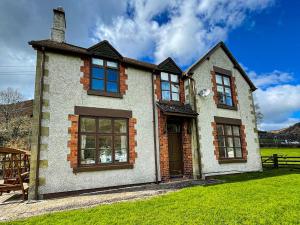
164	151
232	84
229	121
73	141
85	80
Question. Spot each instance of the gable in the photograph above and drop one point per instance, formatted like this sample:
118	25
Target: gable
236	65
168	65
106	50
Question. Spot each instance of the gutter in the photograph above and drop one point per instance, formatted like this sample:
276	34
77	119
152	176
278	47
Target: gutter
197	129
154	130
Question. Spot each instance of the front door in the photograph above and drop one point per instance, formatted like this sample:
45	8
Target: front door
175	151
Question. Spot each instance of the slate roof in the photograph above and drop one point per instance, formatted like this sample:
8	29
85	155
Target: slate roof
168	65
73	49
230	56
177	109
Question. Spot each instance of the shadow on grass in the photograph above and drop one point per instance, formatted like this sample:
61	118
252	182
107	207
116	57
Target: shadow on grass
267	173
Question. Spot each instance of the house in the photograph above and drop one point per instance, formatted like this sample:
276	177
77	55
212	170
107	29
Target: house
104	120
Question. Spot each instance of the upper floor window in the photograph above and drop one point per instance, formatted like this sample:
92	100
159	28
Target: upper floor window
105	76
169	87
224	90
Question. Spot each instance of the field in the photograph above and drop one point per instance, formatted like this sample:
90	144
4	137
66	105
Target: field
271	197
280	151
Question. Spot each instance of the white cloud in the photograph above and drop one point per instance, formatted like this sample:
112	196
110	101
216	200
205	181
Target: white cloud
192	27
273	78
277	104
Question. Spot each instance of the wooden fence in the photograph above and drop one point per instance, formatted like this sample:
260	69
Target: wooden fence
277	161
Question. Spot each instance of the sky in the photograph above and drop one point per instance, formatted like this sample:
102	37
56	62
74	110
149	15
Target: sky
263	35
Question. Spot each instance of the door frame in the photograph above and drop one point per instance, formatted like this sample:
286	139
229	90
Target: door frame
180	149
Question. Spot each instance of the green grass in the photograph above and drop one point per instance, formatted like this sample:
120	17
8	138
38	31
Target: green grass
271	197
280	151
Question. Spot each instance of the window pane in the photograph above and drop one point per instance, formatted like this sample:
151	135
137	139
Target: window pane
105	149
165	86
97	72
221	142
229	101
228	130
112	75
236	131
174	78
105	126
229	142
222	152
120	126
237	142
220	130
175	88
112	87
165	95
226	81
112	64
219	79
97	85
228	91
230	152
238	153
175	96
98	62
88	142
164	76
121	148
220	89
88	124
87	156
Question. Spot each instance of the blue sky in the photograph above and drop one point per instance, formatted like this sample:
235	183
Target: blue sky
262	34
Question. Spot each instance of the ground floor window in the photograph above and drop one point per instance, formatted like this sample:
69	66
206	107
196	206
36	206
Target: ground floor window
103	141
229	141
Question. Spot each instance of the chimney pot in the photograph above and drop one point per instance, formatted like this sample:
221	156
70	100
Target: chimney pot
59	25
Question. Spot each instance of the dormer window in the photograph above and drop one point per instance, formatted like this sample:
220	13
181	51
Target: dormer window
169	87
105	76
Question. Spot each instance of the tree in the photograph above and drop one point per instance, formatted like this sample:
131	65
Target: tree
258	114
15	126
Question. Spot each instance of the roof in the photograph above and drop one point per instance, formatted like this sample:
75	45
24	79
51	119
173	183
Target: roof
168	65
73	49
177	109
230	56
24	108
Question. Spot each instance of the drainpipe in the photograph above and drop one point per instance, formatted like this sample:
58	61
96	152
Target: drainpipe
154	130
196	121
40	123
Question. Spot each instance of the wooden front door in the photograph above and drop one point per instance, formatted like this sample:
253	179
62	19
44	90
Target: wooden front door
175	151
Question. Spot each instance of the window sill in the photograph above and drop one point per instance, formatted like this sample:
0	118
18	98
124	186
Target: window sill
102	168
220	106
224	161
105	94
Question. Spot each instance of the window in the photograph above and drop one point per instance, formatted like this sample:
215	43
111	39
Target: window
229	141
103	141
224	90
105	76
169	87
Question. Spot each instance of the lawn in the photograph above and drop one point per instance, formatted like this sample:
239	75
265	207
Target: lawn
271	197
280	151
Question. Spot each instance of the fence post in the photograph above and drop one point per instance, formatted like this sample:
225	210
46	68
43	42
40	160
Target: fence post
275	161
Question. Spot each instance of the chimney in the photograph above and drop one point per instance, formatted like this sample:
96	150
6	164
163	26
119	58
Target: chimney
59	25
